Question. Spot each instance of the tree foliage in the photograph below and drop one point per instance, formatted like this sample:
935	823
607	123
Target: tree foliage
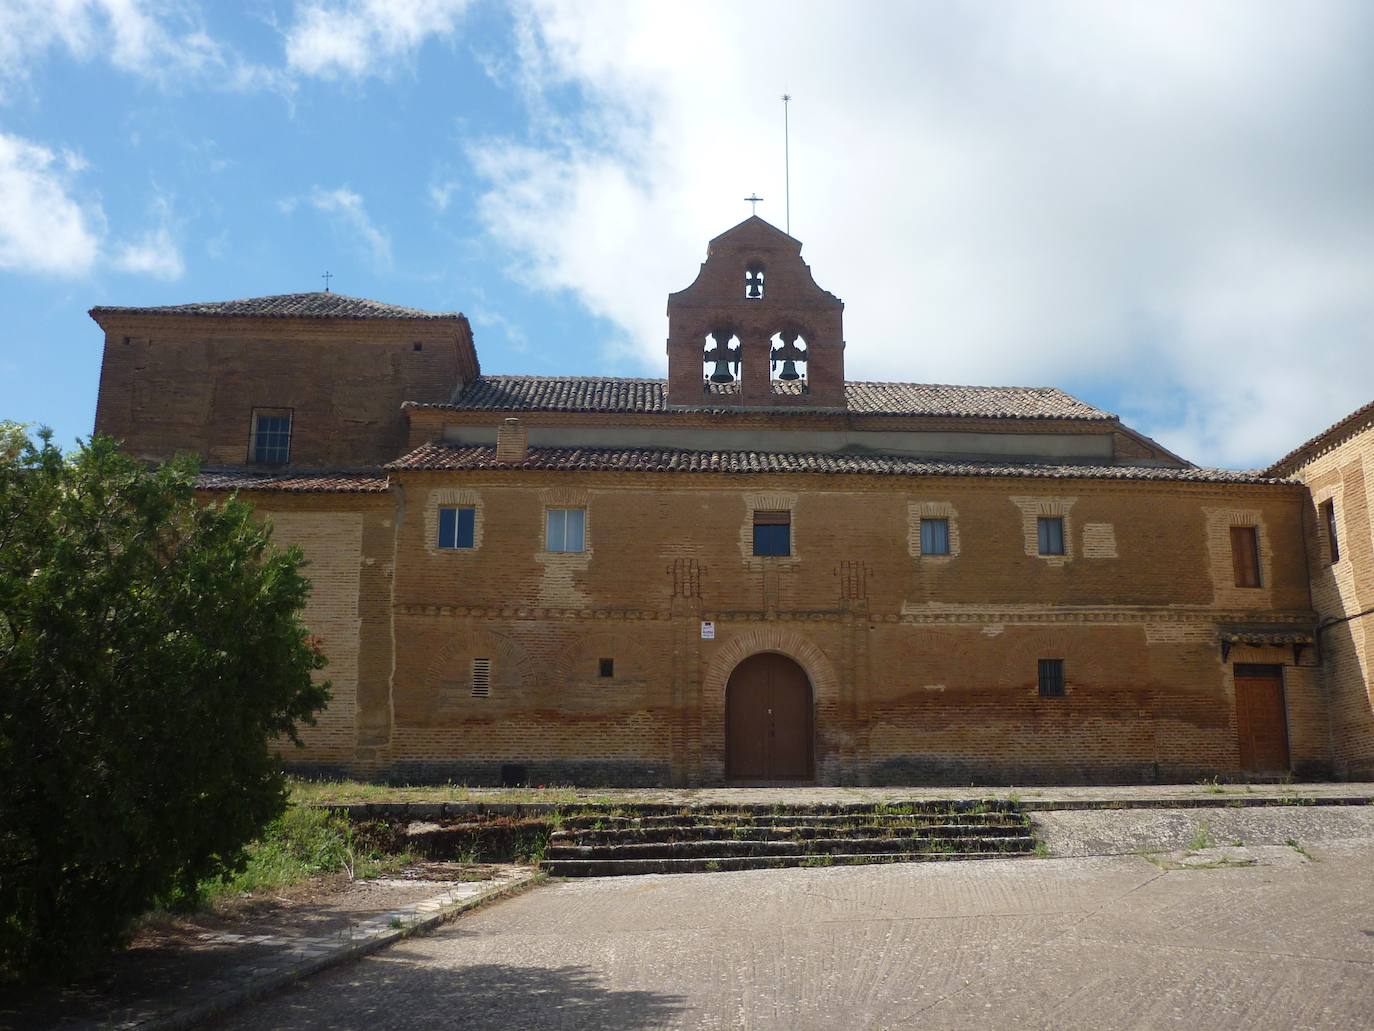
151	659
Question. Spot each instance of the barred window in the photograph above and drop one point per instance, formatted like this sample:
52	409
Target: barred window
1051	678
481	678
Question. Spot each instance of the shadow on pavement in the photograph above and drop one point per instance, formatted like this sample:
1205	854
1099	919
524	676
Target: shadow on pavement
394	992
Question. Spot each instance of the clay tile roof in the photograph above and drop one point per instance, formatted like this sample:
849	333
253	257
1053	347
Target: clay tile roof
1328	438
320	304
437	456
293	482
612	395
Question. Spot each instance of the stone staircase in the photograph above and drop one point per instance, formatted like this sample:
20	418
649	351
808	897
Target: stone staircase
660	839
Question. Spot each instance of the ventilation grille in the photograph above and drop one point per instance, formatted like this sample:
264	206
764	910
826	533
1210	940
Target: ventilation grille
481	678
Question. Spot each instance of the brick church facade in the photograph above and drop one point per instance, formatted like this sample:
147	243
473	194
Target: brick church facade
758	571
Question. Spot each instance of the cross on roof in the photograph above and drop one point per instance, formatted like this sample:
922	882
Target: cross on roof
327	277
753	203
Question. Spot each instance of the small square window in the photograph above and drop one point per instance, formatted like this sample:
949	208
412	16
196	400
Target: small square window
271	443
566	529
772	533
1051	535
456	527
1051	678
1245	555
608	667
934	536
1329	521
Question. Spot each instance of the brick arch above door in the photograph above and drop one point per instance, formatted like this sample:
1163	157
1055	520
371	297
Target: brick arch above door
818	667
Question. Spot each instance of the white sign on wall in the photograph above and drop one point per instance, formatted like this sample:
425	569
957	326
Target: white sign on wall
708	630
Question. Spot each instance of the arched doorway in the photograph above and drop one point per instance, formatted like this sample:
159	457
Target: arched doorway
768	728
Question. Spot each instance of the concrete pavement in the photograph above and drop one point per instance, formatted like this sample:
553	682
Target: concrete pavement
1286	941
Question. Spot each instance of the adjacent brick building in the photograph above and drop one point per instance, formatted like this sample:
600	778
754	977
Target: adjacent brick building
757	570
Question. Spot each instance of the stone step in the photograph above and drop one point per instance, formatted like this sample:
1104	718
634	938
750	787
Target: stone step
727	848
593	821
797	832
622	867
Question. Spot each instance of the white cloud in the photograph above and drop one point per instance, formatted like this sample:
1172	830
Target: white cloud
154	39
349	213
357	38
155	252
1168	202
43	227
441	193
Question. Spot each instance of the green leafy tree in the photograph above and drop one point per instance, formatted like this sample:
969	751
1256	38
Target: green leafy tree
152	659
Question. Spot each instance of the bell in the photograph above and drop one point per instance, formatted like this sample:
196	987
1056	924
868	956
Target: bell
789	370
722	373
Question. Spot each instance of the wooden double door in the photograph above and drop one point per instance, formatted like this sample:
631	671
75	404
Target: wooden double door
768	720
1261	719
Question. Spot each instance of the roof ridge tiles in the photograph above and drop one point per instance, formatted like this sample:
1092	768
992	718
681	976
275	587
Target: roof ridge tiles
307	304
438	456
614	394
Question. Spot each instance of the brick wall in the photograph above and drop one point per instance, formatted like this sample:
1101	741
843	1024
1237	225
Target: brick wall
1344	474
923	667
170	384
348	543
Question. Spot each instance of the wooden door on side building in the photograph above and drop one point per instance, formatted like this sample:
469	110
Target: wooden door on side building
1261	719
768	725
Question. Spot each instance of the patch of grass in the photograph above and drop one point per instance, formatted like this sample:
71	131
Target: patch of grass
396	923
1202	838
305	842
1042	851
1212	786
305	791
811	861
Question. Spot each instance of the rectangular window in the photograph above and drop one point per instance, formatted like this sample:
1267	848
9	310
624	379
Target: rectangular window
772	533
1245	555
1051	678
608	667
456	526
1329	521
271	436
934	536
481	678
567	529
1051	535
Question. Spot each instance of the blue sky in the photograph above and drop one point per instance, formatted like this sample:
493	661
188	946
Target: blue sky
1167	209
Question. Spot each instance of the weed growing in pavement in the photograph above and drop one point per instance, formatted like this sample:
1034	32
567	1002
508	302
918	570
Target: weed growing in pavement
1213	785
1202	838
811	861
395	923
1042	851
1296	847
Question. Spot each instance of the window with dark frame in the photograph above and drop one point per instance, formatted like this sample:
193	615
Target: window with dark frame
1051	533
772	533
456	526
1329	521
934	536
1245	555
1051	678
271	437
608	667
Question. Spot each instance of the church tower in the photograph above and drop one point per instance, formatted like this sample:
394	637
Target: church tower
754	329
